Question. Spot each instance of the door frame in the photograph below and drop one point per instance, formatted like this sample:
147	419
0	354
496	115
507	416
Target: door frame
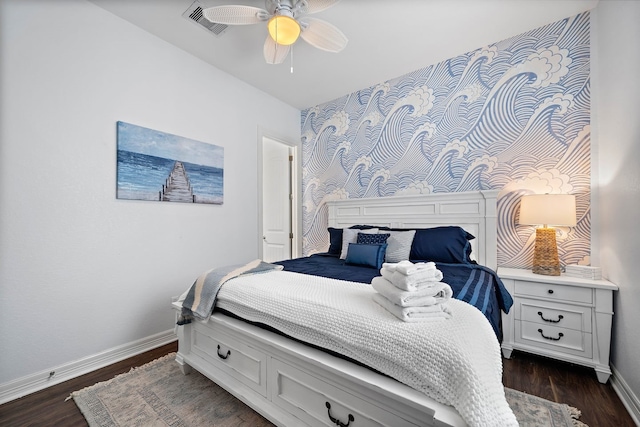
296	179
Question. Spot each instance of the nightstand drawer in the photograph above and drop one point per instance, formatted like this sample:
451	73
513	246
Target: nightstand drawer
554	292
554	314
564	340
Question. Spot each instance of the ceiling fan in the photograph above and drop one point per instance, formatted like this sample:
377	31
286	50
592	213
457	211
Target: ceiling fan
286	21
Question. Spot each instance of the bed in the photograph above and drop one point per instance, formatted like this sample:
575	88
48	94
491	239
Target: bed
473	283
293	378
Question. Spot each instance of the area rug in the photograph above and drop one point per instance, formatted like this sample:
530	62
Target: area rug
157	394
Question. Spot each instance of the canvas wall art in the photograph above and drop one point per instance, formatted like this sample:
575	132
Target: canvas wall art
154	165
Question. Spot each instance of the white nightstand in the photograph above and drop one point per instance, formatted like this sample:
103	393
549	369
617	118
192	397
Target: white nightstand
562	317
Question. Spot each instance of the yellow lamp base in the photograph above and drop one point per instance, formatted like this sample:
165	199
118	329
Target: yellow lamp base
545	255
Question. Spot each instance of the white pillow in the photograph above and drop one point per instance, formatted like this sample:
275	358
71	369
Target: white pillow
350	235
399	245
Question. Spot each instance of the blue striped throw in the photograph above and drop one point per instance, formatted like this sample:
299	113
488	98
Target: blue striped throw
201	297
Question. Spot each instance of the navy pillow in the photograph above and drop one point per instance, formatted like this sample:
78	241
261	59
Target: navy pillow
335	237
448	244
335	240
373	239
366	255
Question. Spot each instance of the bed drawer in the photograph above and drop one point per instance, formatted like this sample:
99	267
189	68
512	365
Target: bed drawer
554	314
551	291
231	356
564	340
318	403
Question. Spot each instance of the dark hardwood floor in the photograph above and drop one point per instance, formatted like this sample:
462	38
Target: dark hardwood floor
567	383
48	408
557	381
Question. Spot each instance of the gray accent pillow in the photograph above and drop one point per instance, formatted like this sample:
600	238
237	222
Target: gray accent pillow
399	245
350	235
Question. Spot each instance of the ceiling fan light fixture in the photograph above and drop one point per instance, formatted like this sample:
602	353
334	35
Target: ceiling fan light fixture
283	29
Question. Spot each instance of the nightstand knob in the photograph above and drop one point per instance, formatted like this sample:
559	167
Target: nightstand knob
550	291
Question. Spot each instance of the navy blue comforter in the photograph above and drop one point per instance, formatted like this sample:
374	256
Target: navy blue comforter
478	285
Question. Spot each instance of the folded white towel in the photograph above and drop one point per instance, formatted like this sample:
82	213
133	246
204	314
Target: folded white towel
430	313
389	266
408	268
386	273
421	279
438	293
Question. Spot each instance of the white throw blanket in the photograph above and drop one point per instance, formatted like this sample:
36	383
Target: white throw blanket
456	362
439	293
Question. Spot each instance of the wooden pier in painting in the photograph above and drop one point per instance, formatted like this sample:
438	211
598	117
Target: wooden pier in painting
177	187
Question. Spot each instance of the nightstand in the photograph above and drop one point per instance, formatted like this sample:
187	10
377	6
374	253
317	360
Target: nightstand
566	318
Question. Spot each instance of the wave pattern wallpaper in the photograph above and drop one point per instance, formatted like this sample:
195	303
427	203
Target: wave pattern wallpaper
512	116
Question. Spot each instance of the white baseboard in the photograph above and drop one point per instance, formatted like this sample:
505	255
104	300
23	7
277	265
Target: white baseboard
626	395
40	380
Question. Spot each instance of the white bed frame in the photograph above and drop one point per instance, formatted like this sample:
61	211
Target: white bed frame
292	384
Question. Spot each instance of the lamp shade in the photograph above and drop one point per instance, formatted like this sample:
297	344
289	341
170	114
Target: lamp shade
548	209
283	29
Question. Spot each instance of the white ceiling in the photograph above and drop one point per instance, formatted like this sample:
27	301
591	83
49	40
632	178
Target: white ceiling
387	38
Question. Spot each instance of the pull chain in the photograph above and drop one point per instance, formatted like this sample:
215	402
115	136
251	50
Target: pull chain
291	59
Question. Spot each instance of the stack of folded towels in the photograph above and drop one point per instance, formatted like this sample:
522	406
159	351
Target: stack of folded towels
413	292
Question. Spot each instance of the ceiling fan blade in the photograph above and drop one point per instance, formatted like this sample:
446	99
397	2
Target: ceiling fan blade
274	53
235	15
315	6
323	35
271	6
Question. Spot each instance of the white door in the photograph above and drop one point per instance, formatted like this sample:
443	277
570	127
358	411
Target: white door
276	201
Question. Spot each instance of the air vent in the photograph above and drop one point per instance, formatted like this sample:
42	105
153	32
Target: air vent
194	14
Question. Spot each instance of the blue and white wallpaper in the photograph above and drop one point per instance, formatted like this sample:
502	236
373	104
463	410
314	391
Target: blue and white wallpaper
513	116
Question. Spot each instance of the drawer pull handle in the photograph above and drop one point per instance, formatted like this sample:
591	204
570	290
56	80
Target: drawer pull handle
335	420
560	335
560	317
550	291
223	356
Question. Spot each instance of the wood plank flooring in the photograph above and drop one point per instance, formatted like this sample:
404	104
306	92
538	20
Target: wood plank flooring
567	383
557	381
47	408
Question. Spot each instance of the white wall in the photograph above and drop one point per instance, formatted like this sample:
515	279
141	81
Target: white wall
80	271
616	113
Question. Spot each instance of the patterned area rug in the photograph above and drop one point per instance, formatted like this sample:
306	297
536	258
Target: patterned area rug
157	394
533	411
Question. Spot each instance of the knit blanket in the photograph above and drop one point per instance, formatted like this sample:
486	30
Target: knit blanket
456	361
199	300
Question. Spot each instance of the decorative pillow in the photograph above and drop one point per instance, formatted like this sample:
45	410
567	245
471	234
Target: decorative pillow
372	239
350	235
335	240
366	255
399	245
448	244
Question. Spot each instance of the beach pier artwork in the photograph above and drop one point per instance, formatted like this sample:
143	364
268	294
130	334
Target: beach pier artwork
177	187
159	166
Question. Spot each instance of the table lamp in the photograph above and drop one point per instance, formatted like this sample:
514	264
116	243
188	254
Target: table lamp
545	210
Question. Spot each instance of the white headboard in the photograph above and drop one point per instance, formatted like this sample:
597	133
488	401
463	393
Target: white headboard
475	211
